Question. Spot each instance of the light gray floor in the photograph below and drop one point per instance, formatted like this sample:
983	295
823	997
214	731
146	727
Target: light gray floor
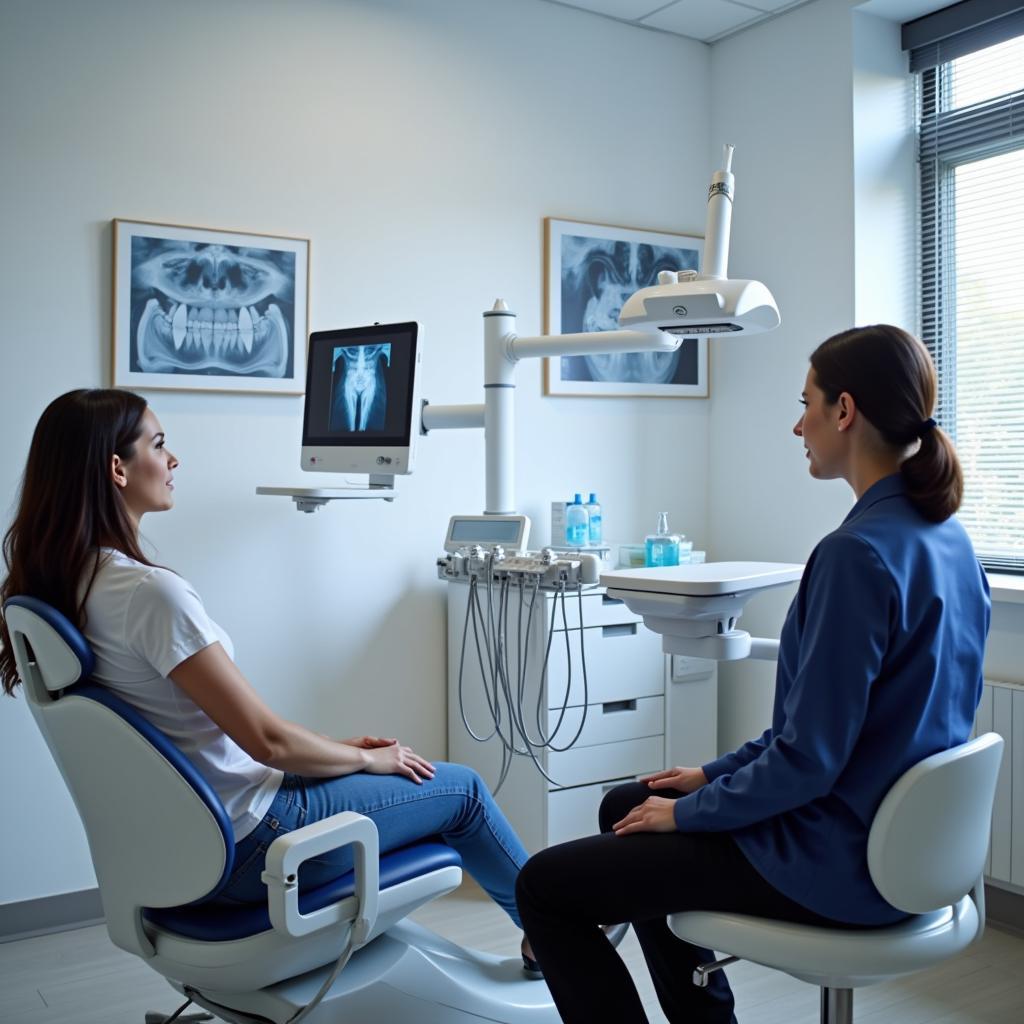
78	977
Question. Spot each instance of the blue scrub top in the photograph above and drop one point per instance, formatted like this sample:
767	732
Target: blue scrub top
880	666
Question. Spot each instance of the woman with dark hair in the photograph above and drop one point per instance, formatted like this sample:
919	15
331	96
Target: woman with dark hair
97	464
880	666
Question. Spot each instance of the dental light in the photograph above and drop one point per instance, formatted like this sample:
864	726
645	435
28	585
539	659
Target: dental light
691	305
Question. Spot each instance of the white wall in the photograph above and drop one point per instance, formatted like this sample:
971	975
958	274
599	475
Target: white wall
781	92
419	144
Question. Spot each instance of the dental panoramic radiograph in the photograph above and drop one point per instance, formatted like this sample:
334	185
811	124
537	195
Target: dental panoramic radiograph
598	275
211	309
360	400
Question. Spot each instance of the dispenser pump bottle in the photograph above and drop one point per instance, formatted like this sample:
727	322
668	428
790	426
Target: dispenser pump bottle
594	521
661	548
577	524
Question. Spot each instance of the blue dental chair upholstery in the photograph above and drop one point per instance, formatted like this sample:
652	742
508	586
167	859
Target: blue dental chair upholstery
163	848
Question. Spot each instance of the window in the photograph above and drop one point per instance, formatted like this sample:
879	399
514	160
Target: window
971	137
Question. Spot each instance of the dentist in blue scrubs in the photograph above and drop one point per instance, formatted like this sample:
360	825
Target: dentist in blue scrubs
880	666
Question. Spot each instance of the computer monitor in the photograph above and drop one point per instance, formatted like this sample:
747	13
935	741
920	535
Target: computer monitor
361	413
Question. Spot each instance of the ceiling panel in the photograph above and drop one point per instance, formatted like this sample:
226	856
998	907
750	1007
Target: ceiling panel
628	10
771	5
702	19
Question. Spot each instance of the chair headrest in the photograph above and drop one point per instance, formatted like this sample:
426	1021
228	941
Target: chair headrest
61	652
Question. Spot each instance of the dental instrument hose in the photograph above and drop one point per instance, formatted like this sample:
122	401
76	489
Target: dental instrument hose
505	699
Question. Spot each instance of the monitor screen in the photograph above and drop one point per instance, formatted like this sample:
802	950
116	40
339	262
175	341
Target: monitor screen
360	387
486	531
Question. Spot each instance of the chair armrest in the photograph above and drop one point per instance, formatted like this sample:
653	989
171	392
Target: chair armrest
281	875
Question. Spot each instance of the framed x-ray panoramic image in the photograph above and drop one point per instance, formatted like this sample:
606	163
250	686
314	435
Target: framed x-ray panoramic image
208	310
589	272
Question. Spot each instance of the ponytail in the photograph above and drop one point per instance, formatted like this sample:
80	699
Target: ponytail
892	379
933	478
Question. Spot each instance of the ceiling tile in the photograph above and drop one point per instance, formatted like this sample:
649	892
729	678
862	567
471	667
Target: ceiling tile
629	10
702	19
772	5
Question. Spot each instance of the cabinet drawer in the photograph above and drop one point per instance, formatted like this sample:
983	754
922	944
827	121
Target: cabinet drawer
598	610
582	765
611	722
623	661
572	813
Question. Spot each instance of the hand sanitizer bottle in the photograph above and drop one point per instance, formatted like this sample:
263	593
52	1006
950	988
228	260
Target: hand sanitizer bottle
594	513
577	524
661	548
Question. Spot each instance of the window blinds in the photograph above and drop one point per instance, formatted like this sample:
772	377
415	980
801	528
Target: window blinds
972	280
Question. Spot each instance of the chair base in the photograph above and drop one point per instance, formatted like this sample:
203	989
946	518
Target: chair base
836	1006
409	973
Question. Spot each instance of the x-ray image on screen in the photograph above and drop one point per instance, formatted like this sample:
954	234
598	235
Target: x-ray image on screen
359	388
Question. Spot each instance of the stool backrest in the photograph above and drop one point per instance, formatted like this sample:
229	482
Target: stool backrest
158	834
930	835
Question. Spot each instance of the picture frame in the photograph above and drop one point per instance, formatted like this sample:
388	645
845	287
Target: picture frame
205	309
589	271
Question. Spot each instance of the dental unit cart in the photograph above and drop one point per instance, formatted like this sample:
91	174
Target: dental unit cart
643	711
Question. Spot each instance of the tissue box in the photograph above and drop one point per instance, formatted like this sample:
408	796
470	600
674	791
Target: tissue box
558	522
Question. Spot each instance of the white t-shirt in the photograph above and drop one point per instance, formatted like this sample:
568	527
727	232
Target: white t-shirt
142	622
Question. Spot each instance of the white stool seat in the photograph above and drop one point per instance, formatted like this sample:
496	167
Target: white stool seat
835	957
926	850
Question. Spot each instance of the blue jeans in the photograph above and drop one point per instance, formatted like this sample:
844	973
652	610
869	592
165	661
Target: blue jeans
454	805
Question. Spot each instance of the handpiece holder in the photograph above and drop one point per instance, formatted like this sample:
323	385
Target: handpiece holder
695	608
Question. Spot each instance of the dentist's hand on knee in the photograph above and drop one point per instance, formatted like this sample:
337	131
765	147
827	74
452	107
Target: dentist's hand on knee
686	780
394	759
655	814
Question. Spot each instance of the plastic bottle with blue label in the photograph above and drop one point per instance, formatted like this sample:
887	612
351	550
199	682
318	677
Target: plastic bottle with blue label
661	548
594	528
577	524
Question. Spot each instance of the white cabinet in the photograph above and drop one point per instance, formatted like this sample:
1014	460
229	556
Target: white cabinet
643	711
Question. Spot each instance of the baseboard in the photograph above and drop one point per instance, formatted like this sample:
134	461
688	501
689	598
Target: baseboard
58	913
1004	909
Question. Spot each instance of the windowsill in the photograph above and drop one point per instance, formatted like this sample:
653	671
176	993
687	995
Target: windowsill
1006	588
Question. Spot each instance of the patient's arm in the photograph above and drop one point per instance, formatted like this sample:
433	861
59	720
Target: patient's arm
213	681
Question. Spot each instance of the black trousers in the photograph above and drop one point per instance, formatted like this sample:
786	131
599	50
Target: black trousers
566	891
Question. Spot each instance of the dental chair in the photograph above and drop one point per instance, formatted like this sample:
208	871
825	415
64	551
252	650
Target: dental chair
926	856
163	848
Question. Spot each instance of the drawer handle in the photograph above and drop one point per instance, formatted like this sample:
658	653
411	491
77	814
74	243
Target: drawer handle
606	600
611	706
626	629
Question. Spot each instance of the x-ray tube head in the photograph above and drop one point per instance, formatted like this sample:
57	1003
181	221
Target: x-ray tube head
361	413
692	305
